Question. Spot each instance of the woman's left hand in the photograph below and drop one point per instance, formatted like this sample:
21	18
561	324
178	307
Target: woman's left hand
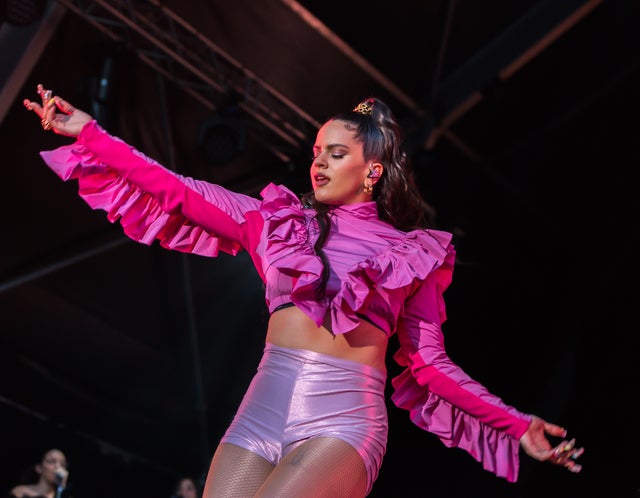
536	445
57	114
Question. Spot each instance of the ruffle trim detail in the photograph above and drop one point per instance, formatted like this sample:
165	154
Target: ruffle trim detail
420	254
287	235
140	215
411	260
497	451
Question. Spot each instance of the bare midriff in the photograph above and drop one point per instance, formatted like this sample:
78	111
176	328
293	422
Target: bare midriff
291	328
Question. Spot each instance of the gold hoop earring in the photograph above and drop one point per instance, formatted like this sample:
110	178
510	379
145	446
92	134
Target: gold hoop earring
368	189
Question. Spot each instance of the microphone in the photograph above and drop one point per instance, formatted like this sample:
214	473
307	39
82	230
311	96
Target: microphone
60	475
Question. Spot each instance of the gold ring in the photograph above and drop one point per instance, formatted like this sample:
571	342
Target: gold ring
46	125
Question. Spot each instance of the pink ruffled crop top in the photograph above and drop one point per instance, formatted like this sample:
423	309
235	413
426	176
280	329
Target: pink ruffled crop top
395	279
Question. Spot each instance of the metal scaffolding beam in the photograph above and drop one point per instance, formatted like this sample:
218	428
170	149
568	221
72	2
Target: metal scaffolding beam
507	54
185	56
323	30
21	48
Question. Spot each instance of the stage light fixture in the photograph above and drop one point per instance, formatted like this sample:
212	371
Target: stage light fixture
221	139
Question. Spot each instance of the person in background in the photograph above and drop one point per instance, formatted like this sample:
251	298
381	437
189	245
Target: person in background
45	479
345	266
186	487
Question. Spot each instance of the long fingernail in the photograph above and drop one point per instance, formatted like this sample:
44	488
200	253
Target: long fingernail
577	454
575	468
569	445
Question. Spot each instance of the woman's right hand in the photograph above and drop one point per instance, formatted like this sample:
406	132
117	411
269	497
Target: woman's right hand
57	114
536	444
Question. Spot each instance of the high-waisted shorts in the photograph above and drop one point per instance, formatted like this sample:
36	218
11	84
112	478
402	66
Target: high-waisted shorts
298	394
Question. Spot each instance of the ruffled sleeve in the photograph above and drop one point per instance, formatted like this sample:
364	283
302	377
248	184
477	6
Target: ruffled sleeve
440	397
151	202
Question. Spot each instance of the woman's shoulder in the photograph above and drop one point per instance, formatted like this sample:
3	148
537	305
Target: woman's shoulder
17	491
430	240
280	204
24	491
279	194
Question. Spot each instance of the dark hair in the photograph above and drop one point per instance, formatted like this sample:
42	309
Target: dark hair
396	194
178	482
30	475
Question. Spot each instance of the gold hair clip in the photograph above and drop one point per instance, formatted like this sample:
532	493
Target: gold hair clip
364	108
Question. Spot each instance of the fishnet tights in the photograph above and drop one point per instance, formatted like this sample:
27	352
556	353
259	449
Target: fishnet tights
318	468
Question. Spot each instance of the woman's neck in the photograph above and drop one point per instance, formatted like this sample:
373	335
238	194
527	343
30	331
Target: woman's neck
44	488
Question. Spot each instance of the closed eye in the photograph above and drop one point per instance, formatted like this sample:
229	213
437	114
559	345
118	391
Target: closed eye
334	156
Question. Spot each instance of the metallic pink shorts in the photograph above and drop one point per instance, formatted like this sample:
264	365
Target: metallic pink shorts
298	394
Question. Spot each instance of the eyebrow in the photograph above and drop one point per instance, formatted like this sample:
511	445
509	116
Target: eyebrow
331	146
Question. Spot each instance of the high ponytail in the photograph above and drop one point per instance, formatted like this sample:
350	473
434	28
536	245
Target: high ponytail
399	200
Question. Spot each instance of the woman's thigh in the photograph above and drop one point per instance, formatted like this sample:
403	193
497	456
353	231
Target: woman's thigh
235	473
320	467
